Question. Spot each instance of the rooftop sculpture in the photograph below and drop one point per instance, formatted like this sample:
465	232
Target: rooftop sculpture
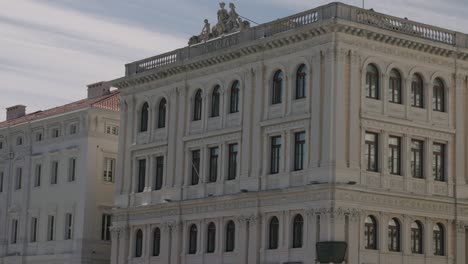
228	22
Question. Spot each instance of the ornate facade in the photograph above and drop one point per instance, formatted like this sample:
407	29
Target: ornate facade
335	124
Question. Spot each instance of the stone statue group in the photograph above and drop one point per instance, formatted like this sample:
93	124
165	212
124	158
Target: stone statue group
228	22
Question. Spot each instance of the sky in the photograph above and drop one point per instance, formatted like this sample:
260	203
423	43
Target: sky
51	49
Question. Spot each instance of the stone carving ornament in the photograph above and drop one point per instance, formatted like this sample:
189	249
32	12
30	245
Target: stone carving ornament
228	22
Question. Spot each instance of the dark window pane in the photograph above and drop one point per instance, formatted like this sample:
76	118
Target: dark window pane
301	81
232	163
195	167
277	88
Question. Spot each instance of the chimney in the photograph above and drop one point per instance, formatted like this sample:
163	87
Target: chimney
98	89
15	112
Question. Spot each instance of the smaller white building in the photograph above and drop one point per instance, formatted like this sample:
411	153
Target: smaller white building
57	180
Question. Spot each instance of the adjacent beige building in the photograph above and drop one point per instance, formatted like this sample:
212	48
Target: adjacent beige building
57	170
335	124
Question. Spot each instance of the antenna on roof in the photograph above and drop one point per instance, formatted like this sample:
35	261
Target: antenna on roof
363	3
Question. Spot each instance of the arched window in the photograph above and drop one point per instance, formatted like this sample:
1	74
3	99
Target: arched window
211	238
162	113
19	141
234	99
439	240
277	88
301	81
417	92
197	106
298	229
416	238
230	236
138	243
144	118
394	90
193	231
215	102
372	82
273	233
438	97
156	242
370	233
394	235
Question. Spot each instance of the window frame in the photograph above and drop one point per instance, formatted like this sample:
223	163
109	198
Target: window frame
233	153
372	86
195	162
301	82
213	170
370	233
106	222
162	113
230	237
234	97
138	243
192	241
438	96
417	91
298	231
395	87
394	235
277	88
417	238
275	154
299	150
394	155
438	162
417	155
141	175
159	173
144	118
215	101
156	250
273	233
438	239
197	105
371	151
211	238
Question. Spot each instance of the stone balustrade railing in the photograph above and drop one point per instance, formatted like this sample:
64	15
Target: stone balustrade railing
323	13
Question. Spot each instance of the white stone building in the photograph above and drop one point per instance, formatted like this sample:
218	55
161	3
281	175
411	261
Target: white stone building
335	124
55	193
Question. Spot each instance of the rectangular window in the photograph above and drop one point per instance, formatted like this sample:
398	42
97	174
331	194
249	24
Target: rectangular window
68	226
19	178
438	161
37	175
14	231
38	136
214	154
275	154
371	151
72	170
50	228
195	167
417	156
55	133
159	173
54	172
141	175
109	169
33	230
299	150
105	227
232	162
394	155
73	129
1	181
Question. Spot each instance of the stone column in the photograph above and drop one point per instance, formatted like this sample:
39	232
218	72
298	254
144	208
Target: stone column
183	114
254	237
460	242
173	131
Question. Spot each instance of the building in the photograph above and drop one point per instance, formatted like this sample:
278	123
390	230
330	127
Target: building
252	144
56	181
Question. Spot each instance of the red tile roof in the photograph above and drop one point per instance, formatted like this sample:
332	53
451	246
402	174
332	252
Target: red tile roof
108	101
